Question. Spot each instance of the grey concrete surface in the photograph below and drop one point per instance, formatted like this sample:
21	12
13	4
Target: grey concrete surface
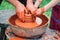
5	14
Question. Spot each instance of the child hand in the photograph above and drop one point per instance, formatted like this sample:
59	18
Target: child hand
37	3
40	11
30	6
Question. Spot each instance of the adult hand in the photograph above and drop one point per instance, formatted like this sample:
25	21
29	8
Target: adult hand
20	9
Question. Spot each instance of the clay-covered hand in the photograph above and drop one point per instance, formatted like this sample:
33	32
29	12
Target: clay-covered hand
20	9
30	6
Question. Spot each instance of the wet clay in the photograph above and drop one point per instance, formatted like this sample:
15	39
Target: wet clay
28	20
26	25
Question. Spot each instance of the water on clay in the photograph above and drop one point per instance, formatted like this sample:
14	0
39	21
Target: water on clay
38	20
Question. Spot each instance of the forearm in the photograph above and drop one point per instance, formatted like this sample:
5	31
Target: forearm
14	2
51	4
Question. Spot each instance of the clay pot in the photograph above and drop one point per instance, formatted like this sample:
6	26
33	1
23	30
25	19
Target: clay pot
28	33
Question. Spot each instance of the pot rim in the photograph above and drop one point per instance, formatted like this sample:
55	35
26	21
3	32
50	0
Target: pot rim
28	28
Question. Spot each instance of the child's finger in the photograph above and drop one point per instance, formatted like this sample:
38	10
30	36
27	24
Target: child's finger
37	3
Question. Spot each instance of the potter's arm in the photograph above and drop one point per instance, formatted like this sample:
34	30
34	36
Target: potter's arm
14	2
19	8
51	4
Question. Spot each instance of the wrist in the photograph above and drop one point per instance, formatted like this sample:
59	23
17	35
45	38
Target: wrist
42	10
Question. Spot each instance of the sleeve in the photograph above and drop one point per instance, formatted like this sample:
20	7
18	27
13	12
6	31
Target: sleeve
34	1
0	1
23	2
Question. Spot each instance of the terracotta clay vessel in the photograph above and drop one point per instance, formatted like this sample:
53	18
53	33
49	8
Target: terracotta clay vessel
26	32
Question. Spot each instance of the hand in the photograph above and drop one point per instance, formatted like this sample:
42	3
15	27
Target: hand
20	9
37	3
40	11
30	6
